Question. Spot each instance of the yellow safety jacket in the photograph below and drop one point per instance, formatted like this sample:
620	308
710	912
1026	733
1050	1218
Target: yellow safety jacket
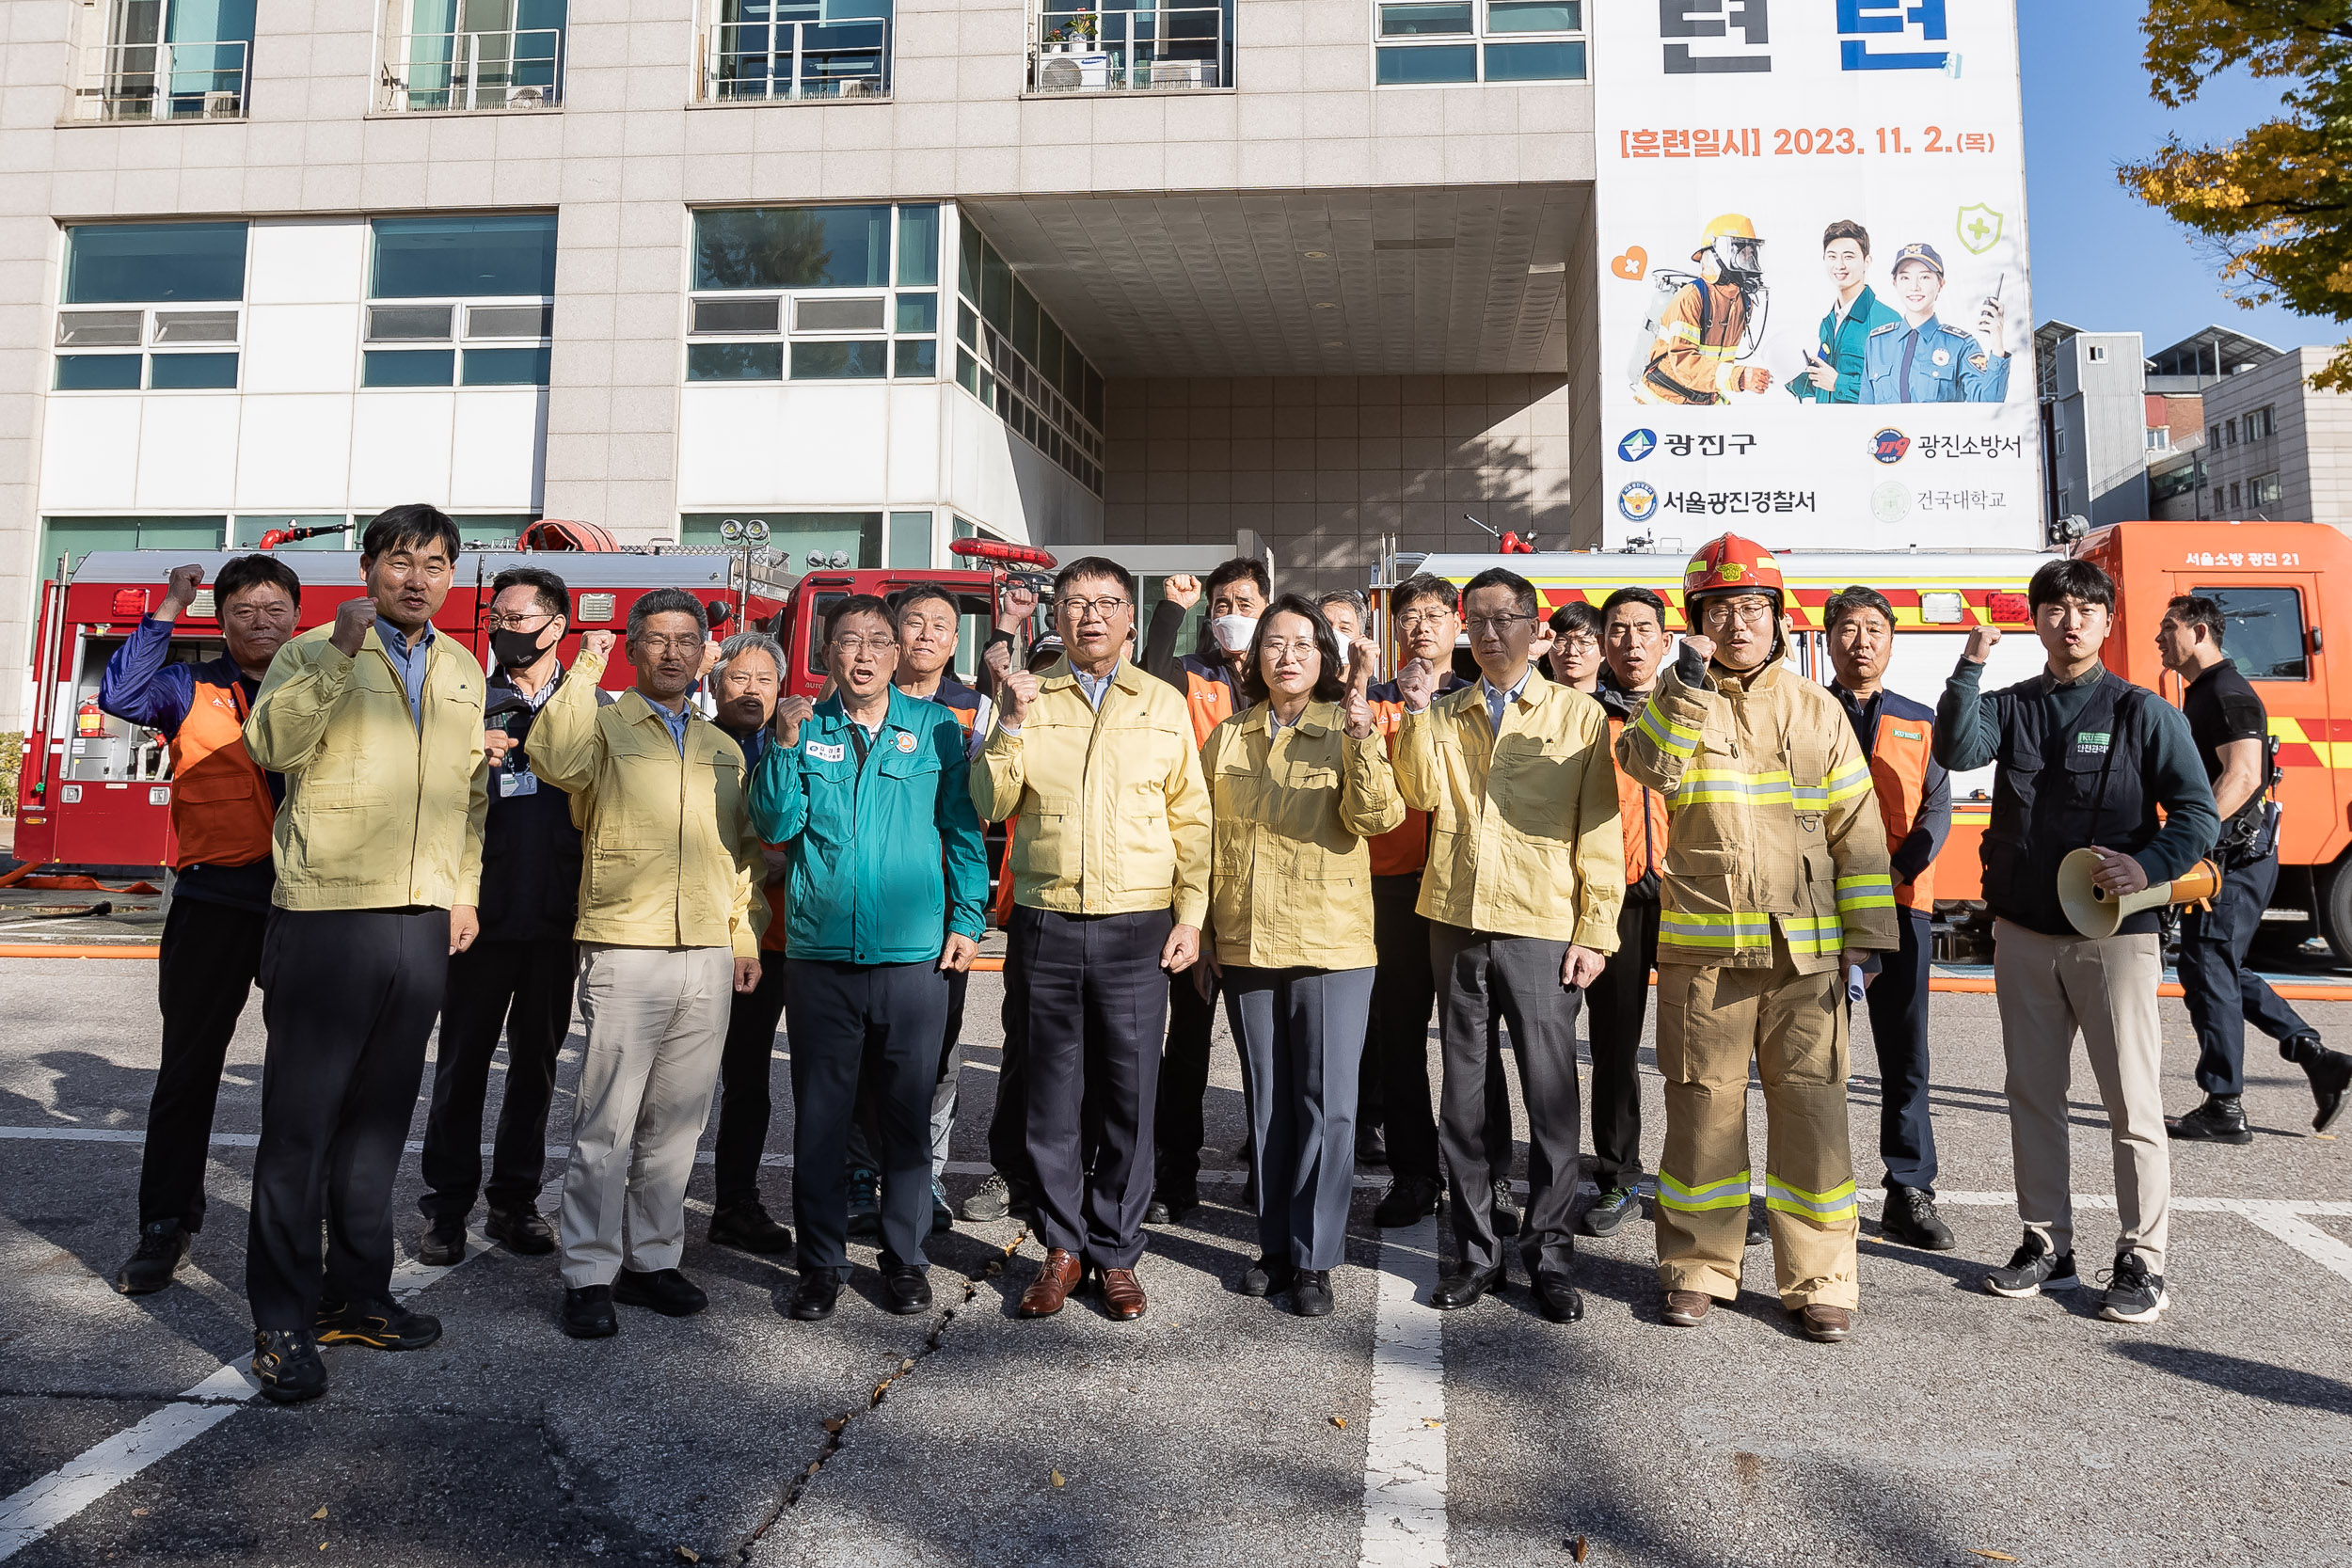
1770	820
1110	815
1523	836
1290	882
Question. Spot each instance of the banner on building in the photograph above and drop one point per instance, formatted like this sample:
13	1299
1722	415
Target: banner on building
1813	320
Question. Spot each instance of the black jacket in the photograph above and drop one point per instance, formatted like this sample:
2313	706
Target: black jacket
531	854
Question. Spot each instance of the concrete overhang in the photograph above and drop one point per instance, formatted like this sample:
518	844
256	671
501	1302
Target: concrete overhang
1455	281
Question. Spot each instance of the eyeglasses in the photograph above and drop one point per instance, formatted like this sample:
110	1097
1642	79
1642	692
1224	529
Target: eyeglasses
1086	609
1747	611
668	644
854	645
1414	620
1498	624
1278	647
528	621
1576	640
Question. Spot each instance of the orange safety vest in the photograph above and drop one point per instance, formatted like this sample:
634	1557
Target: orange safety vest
1403	849
1642	816
1211	701
1899	754
221	810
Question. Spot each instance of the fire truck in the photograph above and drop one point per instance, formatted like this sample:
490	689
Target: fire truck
94	792
2266	576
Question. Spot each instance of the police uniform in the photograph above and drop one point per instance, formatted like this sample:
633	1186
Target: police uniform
1933	364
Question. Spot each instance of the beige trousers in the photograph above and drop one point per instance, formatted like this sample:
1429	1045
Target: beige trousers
2050	989
1712	1021
657	1022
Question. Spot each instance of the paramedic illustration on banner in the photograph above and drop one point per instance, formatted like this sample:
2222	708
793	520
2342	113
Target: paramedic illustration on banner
1833	368
1918	358
1701	328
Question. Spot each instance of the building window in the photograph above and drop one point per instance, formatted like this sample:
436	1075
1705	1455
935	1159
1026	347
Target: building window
169	312
1015	359
1127	47
852	293
465	301
75	537
1443	42
910	540
2061	440
164	59
2213	435
760	51
445	54
2260	423
2159	438
2262	490
805	540
2096	352
2235	505
2229	431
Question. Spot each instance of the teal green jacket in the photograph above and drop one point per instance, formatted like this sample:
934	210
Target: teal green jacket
1844	339
885	858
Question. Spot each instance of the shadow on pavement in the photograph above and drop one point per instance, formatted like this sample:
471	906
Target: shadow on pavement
2236	1375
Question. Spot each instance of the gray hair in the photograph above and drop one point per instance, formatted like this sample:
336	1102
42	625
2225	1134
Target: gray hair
751	642
667	601
1350	597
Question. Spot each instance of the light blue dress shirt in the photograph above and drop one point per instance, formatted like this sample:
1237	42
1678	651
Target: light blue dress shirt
409	660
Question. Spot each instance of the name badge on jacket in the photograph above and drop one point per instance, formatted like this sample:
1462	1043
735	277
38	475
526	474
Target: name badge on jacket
823	753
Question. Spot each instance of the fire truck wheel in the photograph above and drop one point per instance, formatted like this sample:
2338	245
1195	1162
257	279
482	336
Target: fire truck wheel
2335	907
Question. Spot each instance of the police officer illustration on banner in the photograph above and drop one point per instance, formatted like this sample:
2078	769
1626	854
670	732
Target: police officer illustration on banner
1920	359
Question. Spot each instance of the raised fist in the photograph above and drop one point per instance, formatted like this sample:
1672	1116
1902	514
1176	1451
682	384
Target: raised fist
1981	641
1416	683
998	658
596	642
1181	590
712	646
791	714
1703	646
180	588
1363	660
353	618
1018	692
1015	606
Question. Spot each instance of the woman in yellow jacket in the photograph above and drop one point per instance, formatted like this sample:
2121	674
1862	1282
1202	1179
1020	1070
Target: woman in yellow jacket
1297	783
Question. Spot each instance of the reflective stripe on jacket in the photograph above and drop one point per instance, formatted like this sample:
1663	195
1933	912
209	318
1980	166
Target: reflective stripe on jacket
1901	759
1770	820
1289	881
1522	824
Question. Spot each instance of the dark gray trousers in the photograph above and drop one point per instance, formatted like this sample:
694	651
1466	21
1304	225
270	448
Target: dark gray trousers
1481	974
1302	1042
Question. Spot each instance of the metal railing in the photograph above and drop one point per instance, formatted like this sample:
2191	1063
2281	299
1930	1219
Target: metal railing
1168	49
432	73
168	81
767	62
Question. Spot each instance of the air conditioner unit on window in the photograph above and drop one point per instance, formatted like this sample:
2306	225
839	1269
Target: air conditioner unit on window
526	98
223	105
1072	73
1183	74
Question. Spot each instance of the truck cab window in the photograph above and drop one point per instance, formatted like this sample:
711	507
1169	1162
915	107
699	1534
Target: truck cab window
2264	637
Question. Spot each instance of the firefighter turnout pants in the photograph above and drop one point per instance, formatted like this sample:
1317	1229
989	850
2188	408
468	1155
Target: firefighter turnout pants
1711	1023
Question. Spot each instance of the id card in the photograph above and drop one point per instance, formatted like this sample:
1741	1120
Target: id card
521	782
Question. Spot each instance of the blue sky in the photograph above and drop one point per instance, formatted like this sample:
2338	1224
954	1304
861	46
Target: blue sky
2101	259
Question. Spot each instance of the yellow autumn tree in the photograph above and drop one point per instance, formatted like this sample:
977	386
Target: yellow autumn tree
2277	199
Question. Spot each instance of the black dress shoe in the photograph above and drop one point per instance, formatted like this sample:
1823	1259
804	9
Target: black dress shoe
1910	1217
523	1231
665	1291
906	1290
1507	1209
1170	1205
1409	1200
442	1243
2221	1119
1466	1289
588	1312
1372	1145
377	1324
2331	1072
1311	1293
1557	1298
747	1226
816	1296
286	1364
162	1244
1264	1277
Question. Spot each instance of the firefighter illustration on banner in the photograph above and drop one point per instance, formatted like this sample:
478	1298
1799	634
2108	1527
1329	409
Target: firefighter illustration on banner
1700	328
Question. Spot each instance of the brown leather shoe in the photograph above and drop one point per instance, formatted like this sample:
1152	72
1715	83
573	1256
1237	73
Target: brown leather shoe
1052	1285
1825	1324
1123	1294
1686	1308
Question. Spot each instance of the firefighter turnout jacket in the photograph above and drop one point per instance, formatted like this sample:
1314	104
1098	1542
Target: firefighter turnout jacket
1692	359
1772	822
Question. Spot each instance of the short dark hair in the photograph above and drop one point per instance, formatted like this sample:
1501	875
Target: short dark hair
1095	566
251	571
414	525
858	604
1846	228
548	589
1423	585
2196	609
1853	601
1331	680
1233	571
1634	595
1575	615
667	601
1523	591
907	598
2071	578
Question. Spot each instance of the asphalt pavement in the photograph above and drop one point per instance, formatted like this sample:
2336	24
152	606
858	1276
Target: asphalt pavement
1954	1428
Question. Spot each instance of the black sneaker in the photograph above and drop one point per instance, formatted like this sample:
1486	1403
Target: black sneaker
2033	1270
1760	1227
2134	1295
1311	1293
286	1364
162	1244
588	1312
746	1226
1910	1217
377	1324
523	1231
2221	1119
2331	1072
1410	1199
864	1203
664	1290
443	1242
1506	1212
1610	1211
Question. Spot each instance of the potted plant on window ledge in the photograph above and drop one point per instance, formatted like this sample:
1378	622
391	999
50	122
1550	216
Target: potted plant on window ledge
1073	35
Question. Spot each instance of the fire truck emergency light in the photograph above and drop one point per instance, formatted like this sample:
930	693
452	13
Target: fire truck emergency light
1004	554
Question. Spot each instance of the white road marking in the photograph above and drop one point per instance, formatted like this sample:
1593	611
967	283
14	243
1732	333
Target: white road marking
2284	1222
1405	1520
63	1493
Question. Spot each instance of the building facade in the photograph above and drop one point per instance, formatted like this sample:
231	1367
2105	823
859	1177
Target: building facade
880	271
2276	449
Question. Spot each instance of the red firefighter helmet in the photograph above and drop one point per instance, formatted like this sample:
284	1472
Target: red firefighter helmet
1730	565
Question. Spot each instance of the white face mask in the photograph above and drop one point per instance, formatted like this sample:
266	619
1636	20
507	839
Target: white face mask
1233	632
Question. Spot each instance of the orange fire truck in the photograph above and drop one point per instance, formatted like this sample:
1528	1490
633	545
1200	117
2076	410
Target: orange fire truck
2267	578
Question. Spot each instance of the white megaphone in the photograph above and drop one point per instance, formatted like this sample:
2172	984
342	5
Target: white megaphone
2096	912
